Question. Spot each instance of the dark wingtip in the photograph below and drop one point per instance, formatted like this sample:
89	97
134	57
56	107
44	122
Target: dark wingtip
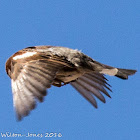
104	101
96	106
18	118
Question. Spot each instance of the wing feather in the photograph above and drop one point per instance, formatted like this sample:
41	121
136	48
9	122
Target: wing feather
92	82
90	85
91	88
31	83
85	93
19	104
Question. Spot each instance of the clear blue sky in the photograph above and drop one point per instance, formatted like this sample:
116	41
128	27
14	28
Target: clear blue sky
108	31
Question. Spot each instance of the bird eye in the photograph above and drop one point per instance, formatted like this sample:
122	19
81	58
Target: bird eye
32	47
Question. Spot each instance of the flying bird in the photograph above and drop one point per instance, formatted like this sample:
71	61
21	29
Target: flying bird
35	69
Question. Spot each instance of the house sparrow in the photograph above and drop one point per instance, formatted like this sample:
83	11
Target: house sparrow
34	69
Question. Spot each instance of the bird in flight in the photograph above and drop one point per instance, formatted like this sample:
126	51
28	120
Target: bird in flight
35	69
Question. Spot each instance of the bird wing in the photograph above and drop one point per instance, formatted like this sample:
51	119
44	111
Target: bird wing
92	85
31	80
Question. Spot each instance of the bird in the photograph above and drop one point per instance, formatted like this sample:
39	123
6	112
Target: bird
35	69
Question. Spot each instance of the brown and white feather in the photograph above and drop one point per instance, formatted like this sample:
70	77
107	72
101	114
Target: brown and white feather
35	69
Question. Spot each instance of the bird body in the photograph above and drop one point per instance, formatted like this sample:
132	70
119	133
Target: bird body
34	69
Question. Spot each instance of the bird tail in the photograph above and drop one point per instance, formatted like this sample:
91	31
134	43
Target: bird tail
124	73
112	71
118	72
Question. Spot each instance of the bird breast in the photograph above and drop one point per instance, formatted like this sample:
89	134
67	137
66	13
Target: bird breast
68	76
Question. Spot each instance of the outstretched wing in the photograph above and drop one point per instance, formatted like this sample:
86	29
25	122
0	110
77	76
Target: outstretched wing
30	83
92	85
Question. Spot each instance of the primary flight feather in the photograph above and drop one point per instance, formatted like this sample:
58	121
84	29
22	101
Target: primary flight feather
34	69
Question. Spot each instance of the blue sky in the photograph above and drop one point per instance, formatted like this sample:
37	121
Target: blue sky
108	31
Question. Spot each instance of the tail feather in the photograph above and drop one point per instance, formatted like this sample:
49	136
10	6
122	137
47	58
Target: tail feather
118	72
124	73
112	71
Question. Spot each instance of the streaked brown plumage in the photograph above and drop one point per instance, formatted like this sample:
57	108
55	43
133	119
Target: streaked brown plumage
34	69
